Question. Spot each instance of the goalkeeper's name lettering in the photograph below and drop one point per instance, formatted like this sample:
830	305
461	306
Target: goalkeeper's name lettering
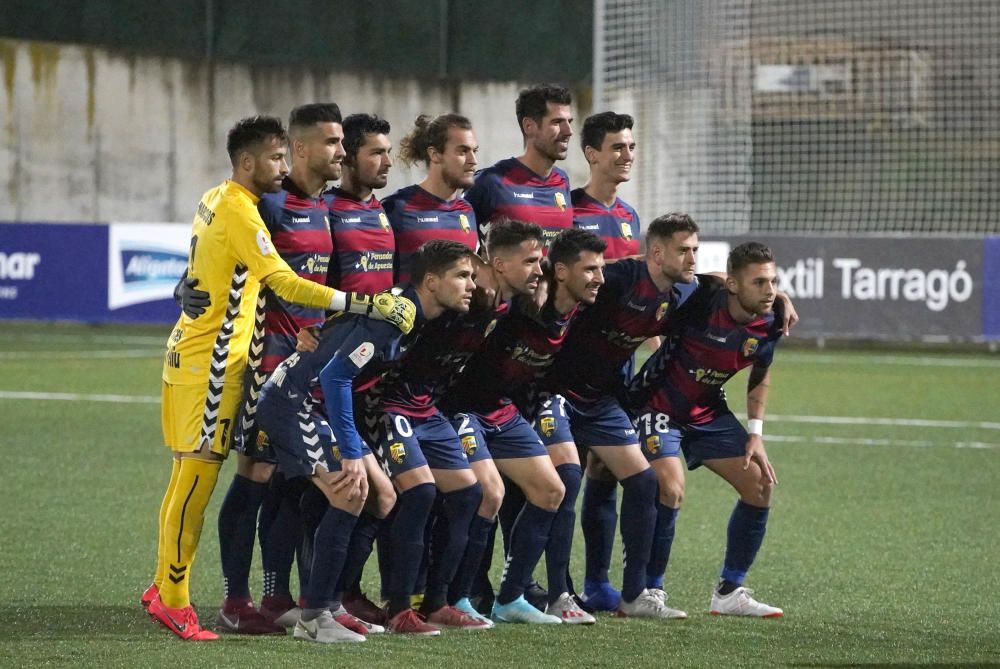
205	214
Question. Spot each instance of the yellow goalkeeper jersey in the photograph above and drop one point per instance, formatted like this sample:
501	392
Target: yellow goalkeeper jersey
231	255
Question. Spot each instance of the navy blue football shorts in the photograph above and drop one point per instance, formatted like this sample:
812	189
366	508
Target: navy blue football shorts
600	423
300	442
723	437
512	439
470	434
407	442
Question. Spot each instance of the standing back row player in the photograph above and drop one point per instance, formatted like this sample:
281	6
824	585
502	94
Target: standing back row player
231	255
530	187
435	208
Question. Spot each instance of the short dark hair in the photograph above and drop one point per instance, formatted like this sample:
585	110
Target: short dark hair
252	131
306	116
748	253
508	233
429	132
665	226
436	257
597	126
533	102
357	127
566	247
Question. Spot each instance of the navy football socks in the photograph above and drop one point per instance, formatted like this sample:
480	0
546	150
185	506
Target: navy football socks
280	532
598	520
528	538
449	537
358	550
406	538
329	549
663	540
480	531
638	521
237	527
745	534
560	546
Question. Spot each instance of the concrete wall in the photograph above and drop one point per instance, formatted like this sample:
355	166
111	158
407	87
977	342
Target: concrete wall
90	135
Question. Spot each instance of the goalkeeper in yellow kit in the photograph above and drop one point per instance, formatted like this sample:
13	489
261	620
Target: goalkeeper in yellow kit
231	255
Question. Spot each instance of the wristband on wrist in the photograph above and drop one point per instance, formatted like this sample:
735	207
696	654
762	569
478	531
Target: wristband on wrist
755	426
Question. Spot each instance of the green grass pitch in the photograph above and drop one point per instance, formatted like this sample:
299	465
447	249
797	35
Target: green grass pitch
882	544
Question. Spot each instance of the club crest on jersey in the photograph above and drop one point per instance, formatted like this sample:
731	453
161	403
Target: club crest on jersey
626	229
261	441
397	452
489	328
383	220
653	443
335	452
547	424
561	201
469	445
661	311
463	220
750	346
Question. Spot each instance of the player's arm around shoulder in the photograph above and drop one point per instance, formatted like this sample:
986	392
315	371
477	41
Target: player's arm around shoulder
252	245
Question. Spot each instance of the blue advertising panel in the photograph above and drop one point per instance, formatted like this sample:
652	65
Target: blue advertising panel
93	273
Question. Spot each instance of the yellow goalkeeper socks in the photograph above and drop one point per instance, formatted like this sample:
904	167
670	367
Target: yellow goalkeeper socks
164	505
182	528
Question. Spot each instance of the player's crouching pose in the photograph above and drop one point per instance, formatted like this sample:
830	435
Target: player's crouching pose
329	452
521	347
683	408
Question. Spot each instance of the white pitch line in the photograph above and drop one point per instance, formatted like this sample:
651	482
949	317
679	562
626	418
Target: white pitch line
906	361
899	422
77	397
880	442
81	355
821	420
104	339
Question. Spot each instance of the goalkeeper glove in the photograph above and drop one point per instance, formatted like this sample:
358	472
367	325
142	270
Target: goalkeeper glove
385	306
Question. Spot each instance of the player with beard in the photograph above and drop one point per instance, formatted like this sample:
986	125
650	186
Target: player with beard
207	357
431	368
530	187
681	405
587	378
363	241
512	359
435	208
296	217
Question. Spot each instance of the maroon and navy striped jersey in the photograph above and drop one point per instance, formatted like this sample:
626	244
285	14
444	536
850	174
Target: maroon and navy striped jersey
432	365
364	246
418	216
617	225
707	349
512	360
300	232
629	310
509	189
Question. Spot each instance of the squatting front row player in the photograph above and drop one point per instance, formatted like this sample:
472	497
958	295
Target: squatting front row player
329	450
